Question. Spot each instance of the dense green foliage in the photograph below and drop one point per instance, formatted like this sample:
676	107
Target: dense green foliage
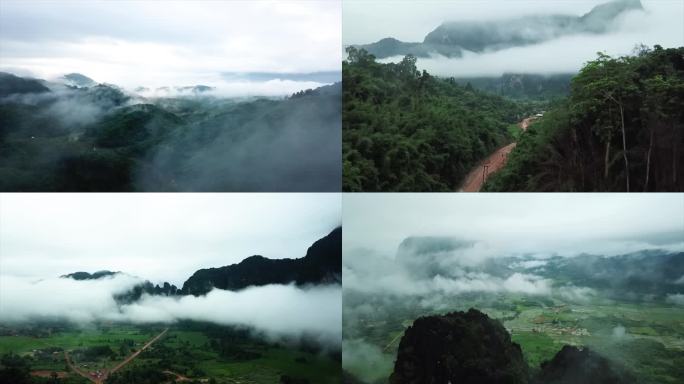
621	129
200	352
409	131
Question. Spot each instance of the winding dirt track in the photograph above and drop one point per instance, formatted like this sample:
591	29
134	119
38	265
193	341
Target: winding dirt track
494	162
101	379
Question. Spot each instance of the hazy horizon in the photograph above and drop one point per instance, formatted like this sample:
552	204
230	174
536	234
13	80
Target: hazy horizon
159	237
659	23
134	44
509	224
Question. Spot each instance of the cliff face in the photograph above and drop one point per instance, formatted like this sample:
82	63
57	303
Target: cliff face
459	347
321	265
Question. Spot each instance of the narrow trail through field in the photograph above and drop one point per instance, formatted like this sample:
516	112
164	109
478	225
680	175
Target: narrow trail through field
392	342
178	376
478	175
99	377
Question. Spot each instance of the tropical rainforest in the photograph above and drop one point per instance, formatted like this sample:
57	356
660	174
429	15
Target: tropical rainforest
405	130
621	129
78	135
615	126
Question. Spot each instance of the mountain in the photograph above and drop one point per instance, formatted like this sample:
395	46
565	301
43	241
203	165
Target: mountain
459	347
651	272
424	256
451	38
321	265
89	276
390	46
522	86
573	365
99	138
78	80
469	348
137	126
11	84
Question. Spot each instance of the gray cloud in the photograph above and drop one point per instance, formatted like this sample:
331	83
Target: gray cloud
130	43
508	224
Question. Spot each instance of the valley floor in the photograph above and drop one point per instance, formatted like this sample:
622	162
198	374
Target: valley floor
646	338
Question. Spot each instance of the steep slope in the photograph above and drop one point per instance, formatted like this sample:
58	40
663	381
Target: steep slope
95	138
405	130
459	347
11	84
620	130
321	265
572	365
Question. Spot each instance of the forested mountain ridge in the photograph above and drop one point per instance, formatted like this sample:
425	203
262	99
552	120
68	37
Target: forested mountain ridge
56	137
321	265
541	88
621	129
404	130
450	349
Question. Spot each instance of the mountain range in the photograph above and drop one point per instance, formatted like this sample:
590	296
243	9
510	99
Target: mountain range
451	38
82	137
651	273
322	264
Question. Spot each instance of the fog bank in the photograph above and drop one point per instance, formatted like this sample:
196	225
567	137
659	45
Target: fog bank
272	310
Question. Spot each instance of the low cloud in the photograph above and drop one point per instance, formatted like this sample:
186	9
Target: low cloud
366	360
676	299
658	24
233	89
370	273
272	310
620	332
575	294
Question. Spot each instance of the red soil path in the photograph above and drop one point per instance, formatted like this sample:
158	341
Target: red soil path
101	379
494	162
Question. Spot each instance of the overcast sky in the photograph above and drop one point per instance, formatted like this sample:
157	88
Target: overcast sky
161	237
369	21
152	43
516	223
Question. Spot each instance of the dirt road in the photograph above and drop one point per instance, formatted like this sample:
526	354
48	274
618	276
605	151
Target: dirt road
526	122
101	376
136	353
478	175
78	371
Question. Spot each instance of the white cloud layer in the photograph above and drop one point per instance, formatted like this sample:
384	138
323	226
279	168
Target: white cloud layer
660	23
274	310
